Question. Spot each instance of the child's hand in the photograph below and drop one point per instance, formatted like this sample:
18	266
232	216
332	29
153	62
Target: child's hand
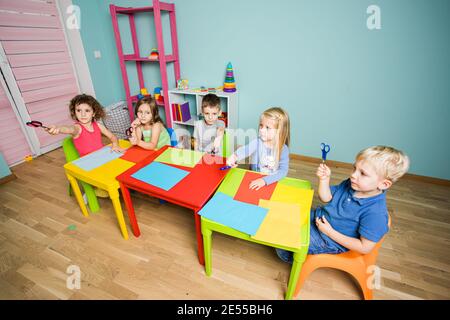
117	149
136	123
216	144
323	225
323	172
257	184
231	161
54	130
134	140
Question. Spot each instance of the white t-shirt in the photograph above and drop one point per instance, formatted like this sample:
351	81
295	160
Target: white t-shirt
205	134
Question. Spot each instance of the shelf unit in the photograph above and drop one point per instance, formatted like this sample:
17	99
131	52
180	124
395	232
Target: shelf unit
135	57
229	104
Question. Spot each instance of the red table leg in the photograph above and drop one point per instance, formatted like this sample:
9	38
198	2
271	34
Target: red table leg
198	230
130	210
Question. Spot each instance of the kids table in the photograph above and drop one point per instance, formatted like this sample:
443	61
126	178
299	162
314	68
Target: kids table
229	187
192	192
104	177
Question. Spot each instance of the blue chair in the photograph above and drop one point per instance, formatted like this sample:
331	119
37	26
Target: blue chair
173	143
173	137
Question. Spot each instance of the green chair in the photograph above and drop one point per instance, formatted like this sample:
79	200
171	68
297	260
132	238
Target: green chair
71	154
226	145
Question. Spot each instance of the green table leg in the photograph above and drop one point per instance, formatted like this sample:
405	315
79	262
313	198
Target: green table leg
299	258
207	235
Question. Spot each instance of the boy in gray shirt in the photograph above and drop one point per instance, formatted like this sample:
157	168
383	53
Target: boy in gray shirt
208	133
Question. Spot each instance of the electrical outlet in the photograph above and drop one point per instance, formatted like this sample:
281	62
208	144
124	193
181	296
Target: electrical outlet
97	54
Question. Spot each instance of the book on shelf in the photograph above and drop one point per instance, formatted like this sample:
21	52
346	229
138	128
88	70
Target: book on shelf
224	118
181	112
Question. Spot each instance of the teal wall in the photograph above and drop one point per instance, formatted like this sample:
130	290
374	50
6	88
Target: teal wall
340	82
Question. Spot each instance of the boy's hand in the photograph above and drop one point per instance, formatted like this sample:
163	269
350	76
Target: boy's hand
54	130
216	145
257	184
323	172
231	161
323	225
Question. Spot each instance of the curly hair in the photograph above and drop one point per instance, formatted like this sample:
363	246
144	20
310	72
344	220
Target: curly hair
99	113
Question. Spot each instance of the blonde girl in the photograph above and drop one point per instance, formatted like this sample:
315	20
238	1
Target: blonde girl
270	151
148	129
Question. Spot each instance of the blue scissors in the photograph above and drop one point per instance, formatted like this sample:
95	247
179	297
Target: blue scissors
325	149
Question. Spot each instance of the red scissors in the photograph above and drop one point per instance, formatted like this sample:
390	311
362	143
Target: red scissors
36	124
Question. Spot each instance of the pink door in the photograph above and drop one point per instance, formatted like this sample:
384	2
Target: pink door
40	66
13	144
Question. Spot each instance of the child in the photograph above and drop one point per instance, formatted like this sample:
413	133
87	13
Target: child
86	132
148	129
270	152
208	133
356	216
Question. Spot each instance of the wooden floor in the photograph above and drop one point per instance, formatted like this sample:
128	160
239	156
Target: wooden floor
37	246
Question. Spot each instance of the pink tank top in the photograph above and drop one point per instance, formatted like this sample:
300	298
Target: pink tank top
88	141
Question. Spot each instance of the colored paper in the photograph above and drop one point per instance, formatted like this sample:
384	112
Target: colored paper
160	175
136	154
109	171
282	224
97	158
295	183
238	215
232	181
248	195
289	194
180	157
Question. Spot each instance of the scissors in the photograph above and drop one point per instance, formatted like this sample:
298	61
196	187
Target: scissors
325	149
36	124
225	168
129	131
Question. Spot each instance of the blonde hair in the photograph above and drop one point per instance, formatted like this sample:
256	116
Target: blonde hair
283	127
388	161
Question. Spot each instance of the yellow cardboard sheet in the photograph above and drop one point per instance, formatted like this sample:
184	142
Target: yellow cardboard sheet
289	209
281	225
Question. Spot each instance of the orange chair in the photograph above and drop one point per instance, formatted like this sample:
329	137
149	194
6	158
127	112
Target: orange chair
352	262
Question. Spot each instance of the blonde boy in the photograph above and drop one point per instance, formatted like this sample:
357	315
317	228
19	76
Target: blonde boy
208	133
355	216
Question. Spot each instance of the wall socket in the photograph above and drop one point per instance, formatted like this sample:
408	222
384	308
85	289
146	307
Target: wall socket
97	54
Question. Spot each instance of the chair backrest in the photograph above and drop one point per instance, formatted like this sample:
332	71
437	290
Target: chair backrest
69	149
226	145
173	137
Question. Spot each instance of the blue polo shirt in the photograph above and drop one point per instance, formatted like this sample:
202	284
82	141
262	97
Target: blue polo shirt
355	217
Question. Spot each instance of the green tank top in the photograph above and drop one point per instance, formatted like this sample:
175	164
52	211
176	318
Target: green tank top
163	140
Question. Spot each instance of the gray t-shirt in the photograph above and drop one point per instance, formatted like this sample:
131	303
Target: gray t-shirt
205	134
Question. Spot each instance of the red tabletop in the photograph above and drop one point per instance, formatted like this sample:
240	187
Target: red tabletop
191	192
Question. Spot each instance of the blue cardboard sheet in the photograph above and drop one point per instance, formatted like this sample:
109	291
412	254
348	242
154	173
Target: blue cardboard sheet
97	158
160	175
235	214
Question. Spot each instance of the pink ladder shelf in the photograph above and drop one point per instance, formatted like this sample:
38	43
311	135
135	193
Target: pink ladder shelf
163	58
